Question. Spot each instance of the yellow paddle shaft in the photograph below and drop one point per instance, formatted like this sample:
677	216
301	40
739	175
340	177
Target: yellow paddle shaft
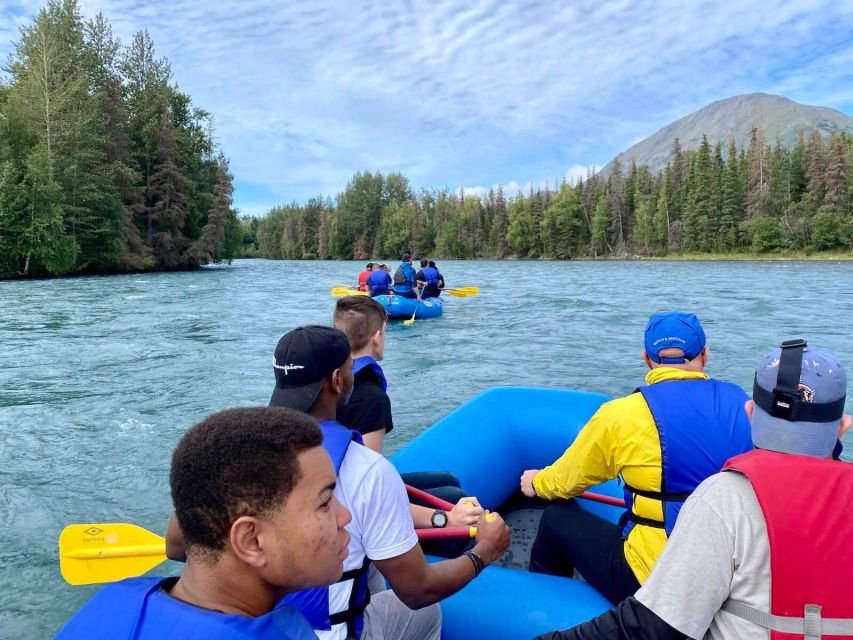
130	551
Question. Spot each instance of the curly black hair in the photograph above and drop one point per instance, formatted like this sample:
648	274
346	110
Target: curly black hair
233	463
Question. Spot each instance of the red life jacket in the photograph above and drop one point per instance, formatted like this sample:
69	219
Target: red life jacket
362	280
806	505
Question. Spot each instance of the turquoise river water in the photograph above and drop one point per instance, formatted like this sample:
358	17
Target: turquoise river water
100	376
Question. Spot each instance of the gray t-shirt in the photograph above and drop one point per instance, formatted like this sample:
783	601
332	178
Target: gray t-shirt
718	550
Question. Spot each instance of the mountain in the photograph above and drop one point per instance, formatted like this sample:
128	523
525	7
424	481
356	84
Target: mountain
777	117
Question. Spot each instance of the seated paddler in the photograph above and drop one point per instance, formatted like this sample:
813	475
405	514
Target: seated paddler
253	491
662	441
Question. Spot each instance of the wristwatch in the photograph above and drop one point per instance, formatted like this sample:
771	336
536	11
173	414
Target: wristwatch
439	519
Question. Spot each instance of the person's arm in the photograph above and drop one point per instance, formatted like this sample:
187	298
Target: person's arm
465	513
413	282
629	620
588	461
369	413
418	583
374	439
380	510
175	548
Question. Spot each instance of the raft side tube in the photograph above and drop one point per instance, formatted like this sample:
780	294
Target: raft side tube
489	441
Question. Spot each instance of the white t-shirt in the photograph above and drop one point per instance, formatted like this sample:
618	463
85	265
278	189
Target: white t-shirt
381	527
718	550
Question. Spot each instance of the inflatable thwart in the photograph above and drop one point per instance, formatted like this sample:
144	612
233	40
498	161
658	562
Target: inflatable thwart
487	443
402	307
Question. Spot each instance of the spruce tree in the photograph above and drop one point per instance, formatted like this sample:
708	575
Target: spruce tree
757	175
732	205
815	169
600	224
835	177
615	204
501	224
167	201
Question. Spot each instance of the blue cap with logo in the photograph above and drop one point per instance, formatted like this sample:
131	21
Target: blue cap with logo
799	394
674	330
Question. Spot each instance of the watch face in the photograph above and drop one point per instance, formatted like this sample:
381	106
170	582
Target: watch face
439	519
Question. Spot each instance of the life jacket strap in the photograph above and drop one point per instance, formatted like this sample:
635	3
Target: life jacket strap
811	626
358	600
645	522
664	496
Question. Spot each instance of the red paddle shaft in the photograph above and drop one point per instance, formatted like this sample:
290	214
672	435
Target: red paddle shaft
448	533
438	503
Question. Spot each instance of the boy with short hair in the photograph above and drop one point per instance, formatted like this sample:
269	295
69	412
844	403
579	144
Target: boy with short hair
253	492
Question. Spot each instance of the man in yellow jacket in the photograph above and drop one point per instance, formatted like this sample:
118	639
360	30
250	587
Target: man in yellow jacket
662	441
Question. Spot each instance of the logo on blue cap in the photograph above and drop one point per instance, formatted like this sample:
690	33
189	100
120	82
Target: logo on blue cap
674	330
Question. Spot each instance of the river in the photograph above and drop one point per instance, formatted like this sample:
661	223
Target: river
100	376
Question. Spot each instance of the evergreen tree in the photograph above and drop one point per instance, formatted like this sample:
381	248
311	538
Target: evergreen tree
166	200
501	225
835	177
206	248
32	233
798	180
616	206
661	216
600	224
757	175
815	169
732	204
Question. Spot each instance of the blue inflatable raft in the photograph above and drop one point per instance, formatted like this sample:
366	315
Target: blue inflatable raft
487	443
402	307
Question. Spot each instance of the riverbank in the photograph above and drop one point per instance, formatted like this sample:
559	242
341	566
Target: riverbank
832	256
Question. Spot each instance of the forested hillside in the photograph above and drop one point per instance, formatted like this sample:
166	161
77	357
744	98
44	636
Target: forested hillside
105	165
761	198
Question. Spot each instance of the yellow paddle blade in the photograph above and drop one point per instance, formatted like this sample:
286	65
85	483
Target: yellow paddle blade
471	291
96	553
455	293
339	292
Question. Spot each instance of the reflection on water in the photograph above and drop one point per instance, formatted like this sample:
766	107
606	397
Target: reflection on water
100	376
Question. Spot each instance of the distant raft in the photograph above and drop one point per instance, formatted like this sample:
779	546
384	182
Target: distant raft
401	307
487	443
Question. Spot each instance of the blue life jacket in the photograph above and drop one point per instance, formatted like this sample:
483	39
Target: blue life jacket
366	362
379	283
410	279
430	275
701	424
314	602
138	609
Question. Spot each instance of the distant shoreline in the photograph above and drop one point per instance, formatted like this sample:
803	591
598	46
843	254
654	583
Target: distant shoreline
687	257
756	257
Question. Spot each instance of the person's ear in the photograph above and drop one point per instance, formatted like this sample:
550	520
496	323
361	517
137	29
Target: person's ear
377	337
337	382
704	355
844	427
748	406
647	360
245	540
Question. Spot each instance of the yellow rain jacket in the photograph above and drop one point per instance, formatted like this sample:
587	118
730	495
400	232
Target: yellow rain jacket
620	438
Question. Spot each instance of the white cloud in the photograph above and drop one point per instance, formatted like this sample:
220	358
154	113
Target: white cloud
485	92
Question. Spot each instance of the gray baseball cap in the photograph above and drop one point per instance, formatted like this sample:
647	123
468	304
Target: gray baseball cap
798	411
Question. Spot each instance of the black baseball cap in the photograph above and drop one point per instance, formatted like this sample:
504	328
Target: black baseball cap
303	359
406	257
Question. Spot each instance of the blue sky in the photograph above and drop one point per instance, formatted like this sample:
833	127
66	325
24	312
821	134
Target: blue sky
472	93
